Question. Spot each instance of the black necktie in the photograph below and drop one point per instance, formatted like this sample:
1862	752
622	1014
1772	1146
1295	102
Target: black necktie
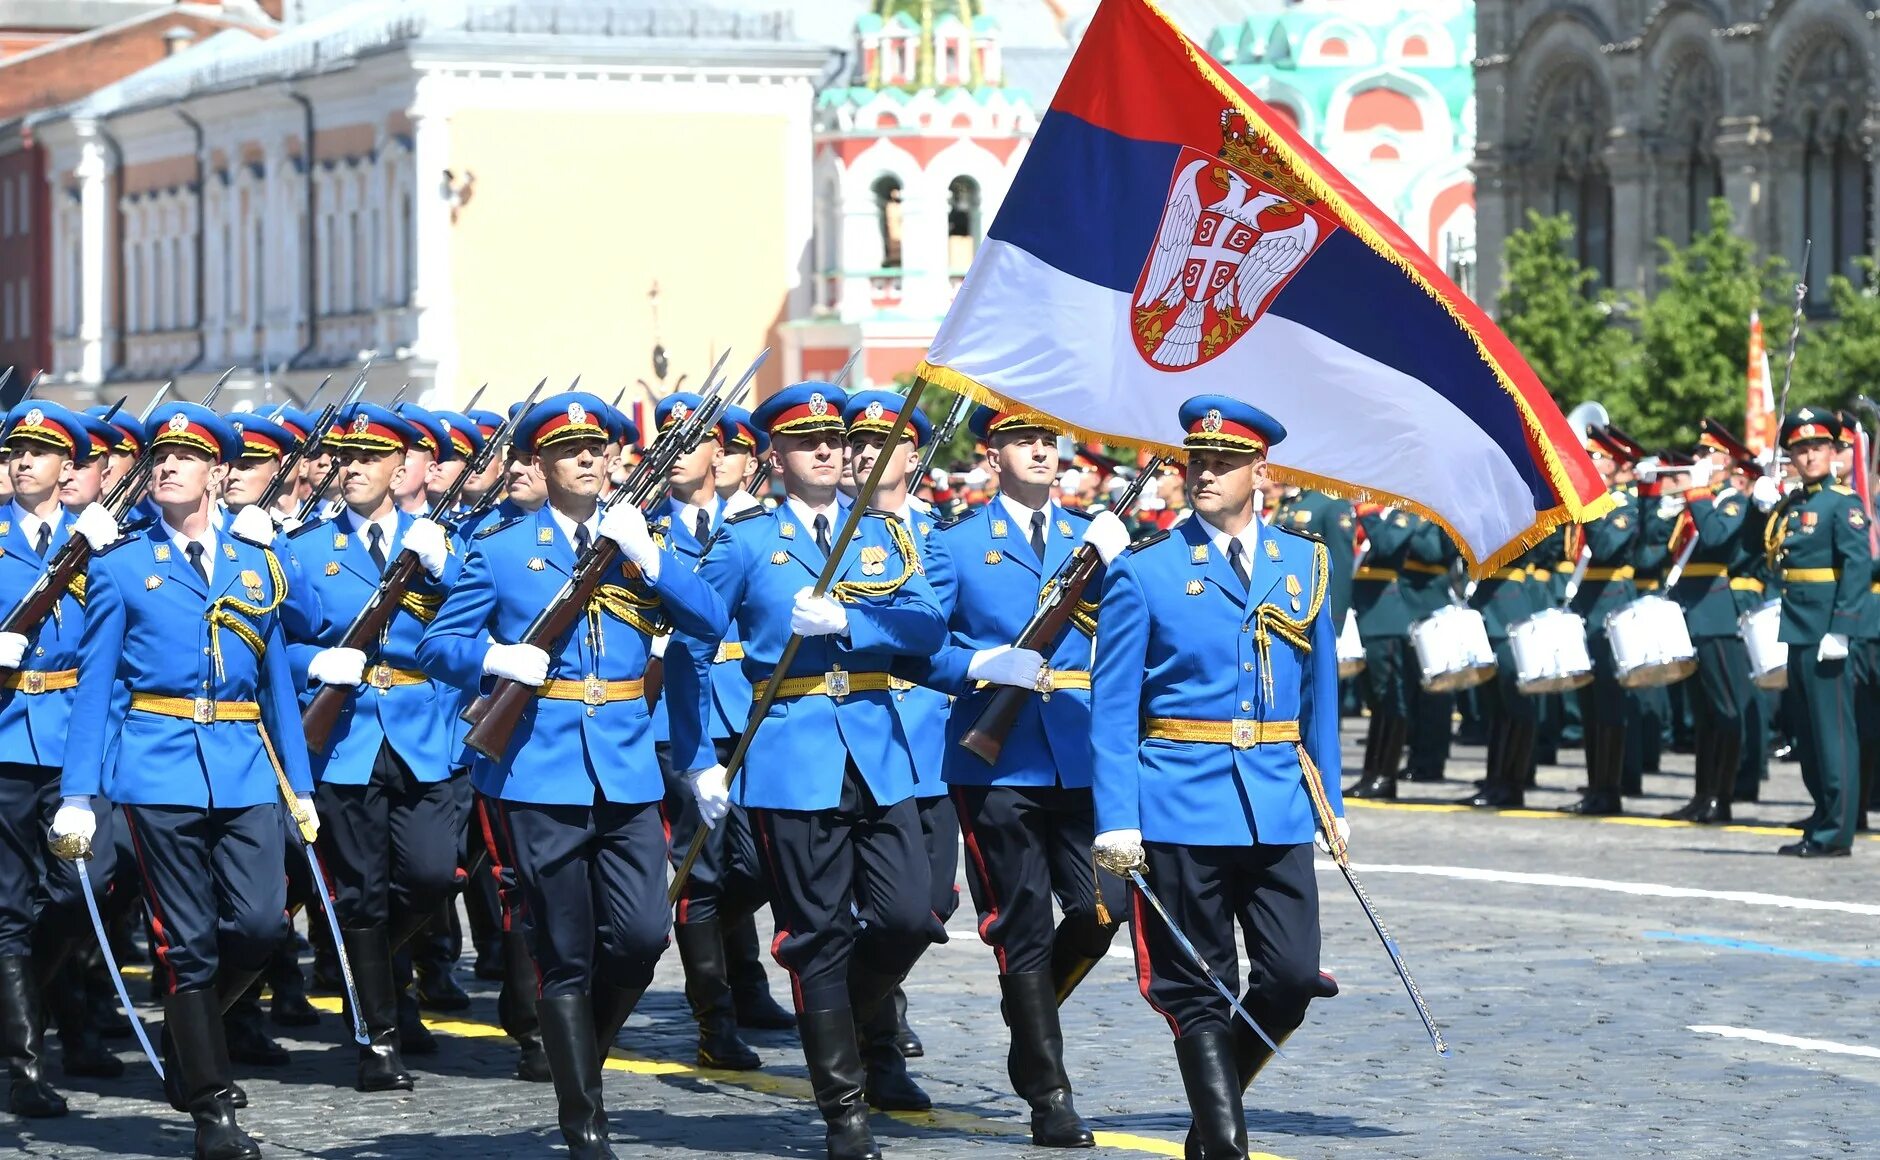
822	533
581	541
375	544
702	527
1237	556
194	551
1037	535
43	540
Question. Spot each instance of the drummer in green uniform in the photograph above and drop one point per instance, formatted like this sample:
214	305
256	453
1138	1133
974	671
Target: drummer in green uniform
1424	581
1330	519
1389	665
1509	716
1607	544
1817	547
1660	492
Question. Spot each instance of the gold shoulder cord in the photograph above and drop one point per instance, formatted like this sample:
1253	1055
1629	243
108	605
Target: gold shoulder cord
624	604
77	588
220	615
423	608
1297	632
1083	614
853	591
1772	530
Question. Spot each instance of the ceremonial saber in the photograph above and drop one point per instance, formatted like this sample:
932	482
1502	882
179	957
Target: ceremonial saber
304	824
1341	854
1194	954
81	865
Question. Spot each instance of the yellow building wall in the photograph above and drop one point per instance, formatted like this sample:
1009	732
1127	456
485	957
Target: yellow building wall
574	216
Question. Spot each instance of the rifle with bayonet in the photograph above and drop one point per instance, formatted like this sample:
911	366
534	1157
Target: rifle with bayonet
497	713
1060	599
369	626
310	446
74	556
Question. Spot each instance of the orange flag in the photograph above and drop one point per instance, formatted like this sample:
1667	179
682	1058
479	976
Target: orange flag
1760	420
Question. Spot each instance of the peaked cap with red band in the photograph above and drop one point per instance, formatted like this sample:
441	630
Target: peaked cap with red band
1809	424
986	422
195	426
262	437
560	418
50	425
370	427
802	409
1220	423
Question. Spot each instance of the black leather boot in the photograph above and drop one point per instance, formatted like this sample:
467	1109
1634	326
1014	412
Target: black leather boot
1604	769
1069	964
1211	1078
905	1041
1380	780
192	1021
432	960
611	1005
1035	1063
835	1074
515	1008
22	1041
750	986
381	1066
708	993
574	1058
81	1049
885	1080
1704	768
1716	806
289	1007
246	1031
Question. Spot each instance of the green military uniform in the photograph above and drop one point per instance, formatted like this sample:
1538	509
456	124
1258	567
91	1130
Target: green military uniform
1330	519
1715	590
1547	588
1384	624
1816	543
1649	711
1424	582
1605	587
1505	598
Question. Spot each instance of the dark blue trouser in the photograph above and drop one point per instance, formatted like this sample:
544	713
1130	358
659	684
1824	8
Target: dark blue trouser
390	845
37	888
1028	847
940	830
726	881
214	885
593	880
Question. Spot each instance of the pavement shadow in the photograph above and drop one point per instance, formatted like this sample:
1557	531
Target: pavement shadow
728	1132
162	1131
1260	1123
464	1146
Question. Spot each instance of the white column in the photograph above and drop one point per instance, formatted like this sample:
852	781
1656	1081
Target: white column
926	289
859	253
94	329
431	297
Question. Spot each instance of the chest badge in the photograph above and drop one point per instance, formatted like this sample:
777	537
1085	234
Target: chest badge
1199	554
874	560
780	557
545	535
339	541
787	531
994	556
152	583
1292	590
998	529
229	551
536	563
1064	527
161	552
925	527
332	567
1196	588
1272	549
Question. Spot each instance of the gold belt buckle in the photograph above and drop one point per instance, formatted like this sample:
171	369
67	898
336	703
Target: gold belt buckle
720	658
1244	732
204	713
594	691
1041	684
838	683
380	677
34	681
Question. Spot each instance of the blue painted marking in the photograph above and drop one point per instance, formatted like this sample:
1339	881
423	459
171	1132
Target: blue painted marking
1737	944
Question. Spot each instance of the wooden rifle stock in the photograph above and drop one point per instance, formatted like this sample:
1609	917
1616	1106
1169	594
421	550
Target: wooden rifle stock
986	738
367	629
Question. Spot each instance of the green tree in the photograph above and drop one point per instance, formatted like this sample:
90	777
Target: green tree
1695	332
1838	357
1567	332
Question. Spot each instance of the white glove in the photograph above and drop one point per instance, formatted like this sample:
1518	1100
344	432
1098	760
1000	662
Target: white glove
818	616
12	650
428	539
73	826
290	524
1005	665
97	526
337	666
1118	851
1700	473
1343	826
1107	535
522	663
711	793
625	525
939	478
660	644
252	524
1764	493
312	828
1833	647
1670	506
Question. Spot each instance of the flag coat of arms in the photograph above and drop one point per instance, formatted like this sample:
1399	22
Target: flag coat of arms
1166	236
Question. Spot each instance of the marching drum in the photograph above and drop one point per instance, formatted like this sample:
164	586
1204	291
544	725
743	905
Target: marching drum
1768	656
1550	652
1350	648
1452	649
1651	645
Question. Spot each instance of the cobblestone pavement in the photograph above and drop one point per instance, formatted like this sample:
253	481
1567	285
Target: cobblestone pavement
1610	988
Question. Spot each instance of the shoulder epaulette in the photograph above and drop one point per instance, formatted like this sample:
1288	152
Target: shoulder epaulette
486	533
306	527
955	521
126	534
1302	534
1079	513
746	514
1842	489
1139	545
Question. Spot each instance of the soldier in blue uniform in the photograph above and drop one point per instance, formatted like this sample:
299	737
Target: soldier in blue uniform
726	881
1817	548
923	711
193	729
1215	728
391	848
42	917
829	779
1028	819
578	792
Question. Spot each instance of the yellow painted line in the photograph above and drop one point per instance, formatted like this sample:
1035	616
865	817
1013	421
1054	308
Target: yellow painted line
1649	823
1544	815
1409	807
794	1088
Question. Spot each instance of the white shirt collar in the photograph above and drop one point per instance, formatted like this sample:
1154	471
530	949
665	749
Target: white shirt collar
1021	515
808	514
568	525
30	523
387	525
1249	538
688	514
182	542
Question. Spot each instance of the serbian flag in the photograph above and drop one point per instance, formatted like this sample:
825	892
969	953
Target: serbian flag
1760	420
1168	236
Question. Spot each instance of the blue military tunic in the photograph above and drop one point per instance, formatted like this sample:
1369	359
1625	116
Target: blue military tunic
33	726
730	704
1263	655
924	710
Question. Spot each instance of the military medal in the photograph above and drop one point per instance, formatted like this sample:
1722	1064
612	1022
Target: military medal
874	560
993	557
251	580
1292	590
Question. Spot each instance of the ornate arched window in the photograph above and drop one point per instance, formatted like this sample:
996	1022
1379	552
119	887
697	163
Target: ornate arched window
1826	105
887	190
962	223
1691	109
1571	127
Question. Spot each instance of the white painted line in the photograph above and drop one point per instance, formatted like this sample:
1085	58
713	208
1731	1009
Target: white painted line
1796	1041
1645	889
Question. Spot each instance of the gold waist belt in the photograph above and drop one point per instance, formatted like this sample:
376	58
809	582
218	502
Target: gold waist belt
1239	733
837	683
1051	680
36	681
729	650
1423	569
1811	575
1624	573
1695	570
1648	585
592	691
383	677
1747	584
1374	574
201	710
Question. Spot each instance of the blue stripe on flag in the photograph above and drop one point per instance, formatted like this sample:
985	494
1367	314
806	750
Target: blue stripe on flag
1089	202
